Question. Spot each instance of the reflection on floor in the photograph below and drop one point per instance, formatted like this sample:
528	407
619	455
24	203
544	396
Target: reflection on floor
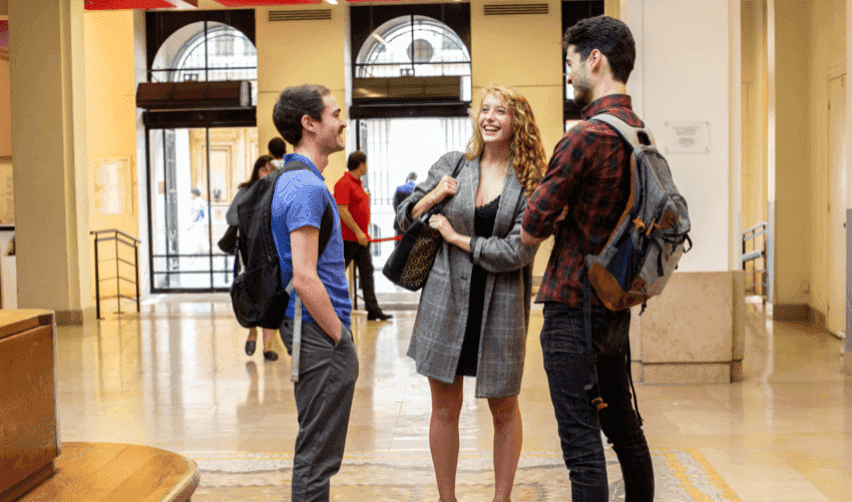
176	377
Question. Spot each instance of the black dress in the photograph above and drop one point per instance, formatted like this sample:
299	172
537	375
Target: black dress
483	225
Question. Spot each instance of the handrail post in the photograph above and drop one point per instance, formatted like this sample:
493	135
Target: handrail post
97	279
136	260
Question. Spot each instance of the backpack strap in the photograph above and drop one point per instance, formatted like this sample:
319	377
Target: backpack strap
632	135
326	227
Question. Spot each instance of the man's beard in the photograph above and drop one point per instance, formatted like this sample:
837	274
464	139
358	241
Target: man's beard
582	94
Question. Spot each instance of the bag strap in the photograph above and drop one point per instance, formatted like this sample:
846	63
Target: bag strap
629	133
439	206
326	227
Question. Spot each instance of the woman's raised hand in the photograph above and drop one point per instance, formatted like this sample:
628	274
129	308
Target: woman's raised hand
446	187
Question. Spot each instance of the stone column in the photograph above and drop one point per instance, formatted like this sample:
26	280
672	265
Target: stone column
48	101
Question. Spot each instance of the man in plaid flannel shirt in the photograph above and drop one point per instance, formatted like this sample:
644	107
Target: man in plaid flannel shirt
582	197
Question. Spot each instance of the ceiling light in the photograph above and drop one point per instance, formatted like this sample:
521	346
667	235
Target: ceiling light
332	2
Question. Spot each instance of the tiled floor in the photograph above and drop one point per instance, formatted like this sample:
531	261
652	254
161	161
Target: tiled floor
176	377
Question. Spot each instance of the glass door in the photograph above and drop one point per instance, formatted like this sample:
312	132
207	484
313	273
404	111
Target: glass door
193	176
396	147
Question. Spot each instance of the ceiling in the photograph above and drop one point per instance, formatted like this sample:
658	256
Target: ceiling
193	4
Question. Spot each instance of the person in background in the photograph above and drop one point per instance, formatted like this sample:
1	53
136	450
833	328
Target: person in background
475	306
402	193
197	229
277	149
308	117
588	179
262	166
353	203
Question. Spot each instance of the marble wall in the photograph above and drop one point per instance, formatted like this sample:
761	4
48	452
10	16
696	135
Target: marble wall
693	332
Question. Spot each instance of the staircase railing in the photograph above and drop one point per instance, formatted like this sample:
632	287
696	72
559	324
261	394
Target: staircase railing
122	238
758	239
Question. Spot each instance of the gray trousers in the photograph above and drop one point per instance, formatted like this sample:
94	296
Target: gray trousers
324	392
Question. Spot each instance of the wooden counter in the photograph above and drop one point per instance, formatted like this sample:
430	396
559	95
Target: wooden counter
28	433
95	472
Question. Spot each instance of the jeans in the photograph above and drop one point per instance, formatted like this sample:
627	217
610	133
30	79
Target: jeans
565	352
324	394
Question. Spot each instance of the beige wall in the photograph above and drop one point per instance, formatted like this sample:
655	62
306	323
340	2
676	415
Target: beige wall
793	187
754	108
826	60
111	107
298	52
111	134
682	75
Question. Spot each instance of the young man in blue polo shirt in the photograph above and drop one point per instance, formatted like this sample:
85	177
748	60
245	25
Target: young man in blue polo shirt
308	117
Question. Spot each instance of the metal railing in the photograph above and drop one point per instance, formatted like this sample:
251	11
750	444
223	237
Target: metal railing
758	239
127	240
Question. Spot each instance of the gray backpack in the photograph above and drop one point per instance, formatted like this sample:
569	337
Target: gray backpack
643	251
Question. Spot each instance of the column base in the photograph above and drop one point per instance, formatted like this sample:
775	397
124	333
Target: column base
689	373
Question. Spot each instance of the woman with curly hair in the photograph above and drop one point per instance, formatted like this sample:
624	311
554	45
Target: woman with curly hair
474	308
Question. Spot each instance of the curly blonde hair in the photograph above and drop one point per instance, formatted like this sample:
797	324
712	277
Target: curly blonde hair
528	157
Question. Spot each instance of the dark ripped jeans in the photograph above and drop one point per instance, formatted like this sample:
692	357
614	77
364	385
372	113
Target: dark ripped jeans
563	344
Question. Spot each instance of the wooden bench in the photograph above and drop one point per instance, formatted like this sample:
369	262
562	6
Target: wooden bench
117	472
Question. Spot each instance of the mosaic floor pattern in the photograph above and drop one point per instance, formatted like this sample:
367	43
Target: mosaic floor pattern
681	475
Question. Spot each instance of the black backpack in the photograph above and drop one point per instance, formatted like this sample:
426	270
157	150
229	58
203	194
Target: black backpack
257	295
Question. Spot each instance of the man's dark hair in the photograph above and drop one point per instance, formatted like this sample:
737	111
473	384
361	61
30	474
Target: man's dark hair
356	158
293	104
610	36
277	147
196	191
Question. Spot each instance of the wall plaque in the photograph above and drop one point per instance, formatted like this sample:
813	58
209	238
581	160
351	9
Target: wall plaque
687	137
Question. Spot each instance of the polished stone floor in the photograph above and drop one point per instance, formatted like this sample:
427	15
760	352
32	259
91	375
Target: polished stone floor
176	377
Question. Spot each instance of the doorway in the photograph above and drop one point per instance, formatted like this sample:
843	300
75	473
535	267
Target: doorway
396	147
193	176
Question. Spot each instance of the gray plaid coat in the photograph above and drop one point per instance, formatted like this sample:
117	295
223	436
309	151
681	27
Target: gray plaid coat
439	328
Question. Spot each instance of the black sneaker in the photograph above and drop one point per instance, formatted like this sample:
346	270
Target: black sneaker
378	315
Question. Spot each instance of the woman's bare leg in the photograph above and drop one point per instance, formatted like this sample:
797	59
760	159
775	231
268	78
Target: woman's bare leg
508	438
444	434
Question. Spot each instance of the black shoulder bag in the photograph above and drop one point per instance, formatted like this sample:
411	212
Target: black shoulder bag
409	264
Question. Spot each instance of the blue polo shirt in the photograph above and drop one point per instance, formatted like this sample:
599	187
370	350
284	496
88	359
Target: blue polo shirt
300	199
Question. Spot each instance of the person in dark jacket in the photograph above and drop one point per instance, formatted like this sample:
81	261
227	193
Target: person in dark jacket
262	167
402	193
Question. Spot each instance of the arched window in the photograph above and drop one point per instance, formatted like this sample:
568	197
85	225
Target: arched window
414	46
206	51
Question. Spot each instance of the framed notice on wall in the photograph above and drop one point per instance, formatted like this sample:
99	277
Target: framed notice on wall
112	185
7	193
686	137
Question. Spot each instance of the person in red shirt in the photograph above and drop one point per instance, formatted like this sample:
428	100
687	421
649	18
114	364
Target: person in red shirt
353	204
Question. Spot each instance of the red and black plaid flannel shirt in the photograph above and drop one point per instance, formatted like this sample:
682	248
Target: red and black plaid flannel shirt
590	172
